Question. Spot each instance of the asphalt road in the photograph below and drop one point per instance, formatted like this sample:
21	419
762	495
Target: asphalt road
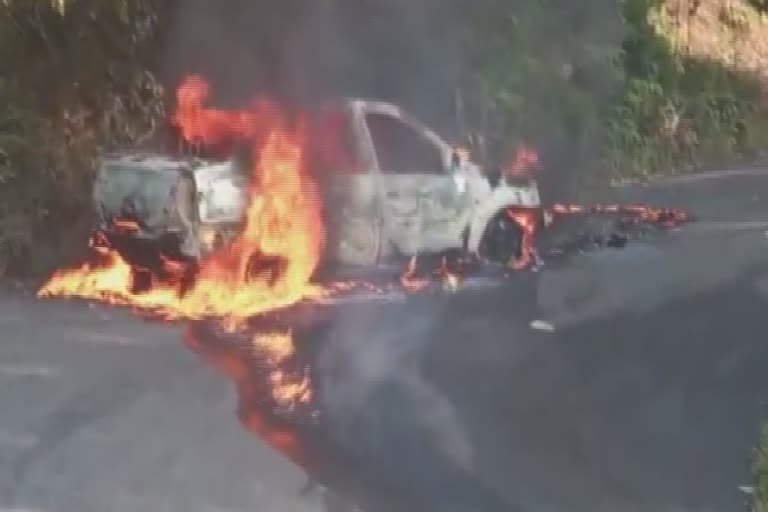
101	412
647	397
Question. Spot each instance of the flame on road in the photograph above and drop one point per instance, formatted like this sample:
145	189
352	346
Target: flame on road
275	346
408	279
107	278
269	264
275	349
664	216
450	277
244	366
288	388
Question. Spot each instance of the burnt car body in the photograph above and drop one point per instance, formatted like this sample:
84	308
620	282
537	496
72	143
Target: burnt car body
391	186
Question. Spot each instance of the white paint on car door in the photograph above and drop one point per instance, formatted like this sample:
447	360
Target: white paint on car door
406	161
426	202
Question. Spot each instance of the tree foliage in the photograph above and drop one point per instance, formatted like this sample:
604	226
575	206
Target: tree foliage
679	113
602	91
73	82
760	471
546	72
760	5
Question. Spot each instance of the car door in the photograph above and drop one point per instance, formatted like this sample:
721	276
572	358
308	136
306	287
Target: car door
420	198
345	174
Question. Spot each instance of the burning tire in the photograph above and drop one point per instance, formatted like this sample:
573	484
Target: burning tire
503	240
264	268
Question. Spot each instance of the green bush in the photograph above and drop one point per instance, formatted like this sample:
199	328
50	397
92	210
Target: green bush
679	114
549	92
74	83
612	108
760	5
760	471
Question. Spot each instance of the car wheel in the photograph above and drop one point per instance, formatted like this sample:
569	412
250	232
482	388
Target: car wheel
265	269
503	240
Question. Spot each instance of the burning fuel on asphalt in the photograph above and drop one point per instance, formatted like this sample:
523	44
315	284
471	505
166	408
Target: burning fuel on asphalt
282	222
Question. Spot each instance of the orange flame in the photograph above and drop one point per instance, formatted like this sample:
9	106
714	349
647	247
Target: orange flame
288	390
270	263
451	279
125	225
109	281
526	219
664	216
239	364
526	160
409	281
277	346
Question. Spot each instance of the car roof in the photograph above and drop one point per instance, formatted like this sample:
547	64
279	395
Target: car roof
151	161
364	104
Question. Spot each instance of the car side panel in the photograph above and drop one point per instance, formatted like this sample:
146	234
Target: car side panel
401	197
446	209
353	220
402	205
501	197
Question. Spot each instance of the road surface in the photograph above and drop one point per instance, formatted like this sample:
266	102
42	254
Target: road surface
647	397
101	412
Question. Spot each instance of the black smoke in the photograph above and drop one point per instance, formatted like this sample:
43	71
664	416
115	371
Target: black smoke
309	51
558	61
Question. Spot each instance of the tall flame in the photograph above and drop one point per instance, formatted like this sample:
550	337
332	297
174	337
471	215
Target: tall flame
526	219
526	160
269	264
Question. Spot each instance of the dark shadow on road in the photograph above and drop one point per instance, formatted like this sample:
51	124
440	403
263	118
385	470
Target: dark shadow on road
451	402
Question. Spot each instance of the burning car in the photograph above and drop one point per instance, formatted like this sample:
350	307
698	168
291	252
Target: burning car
391	186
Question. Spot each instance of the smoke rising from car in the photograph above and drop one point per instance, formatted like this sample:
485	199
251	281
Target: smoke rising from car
417	54
407	52
371	373
304	53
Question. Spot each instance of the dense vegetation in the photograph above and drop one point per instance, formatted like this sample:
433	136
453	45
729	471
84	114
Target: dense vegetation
760	469
73	82
680	113
602	87
627	105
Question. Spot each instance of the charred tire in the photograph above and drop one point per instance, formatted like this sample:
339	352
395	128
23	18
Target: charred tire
503	239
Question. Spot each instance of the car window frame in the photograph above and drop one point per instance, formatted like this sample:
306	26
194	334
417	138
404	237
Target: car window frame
420	130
